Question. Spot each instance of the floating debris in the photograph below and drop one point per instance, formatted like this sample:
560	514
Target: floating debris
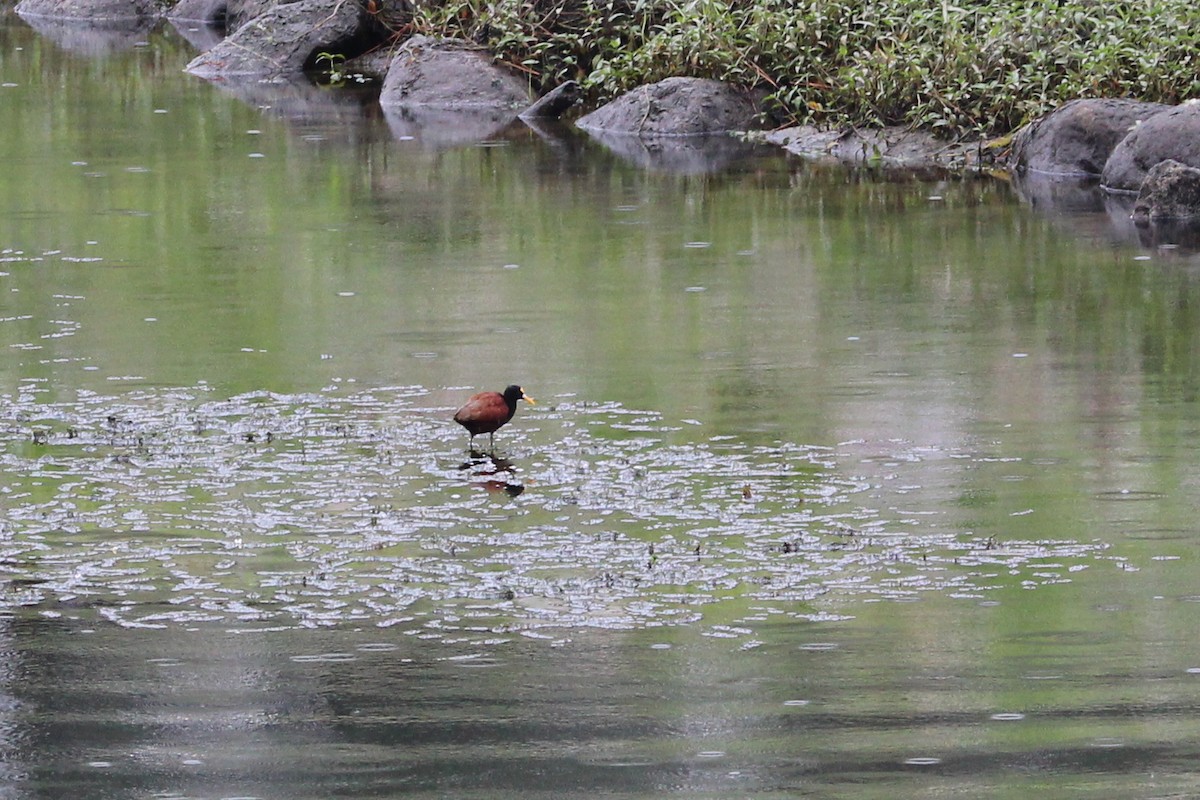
174	507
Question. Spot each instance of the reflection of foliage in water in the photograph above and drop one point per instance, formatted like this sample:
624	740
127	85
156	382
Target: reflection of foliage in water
163	508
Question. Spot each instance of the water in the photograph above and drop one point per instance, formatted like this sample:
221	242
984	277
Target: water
837	486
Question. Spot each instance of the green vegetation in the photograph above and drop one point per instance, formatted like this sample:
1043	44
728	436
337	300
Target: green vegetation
332	63
982	67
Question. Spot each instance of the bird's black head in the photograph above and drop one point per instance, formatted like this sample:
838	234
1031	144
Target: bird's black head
514	393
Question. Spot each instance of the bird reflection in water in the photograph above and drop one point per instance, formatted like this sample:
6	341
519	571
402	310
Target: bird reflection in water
502	487
498	474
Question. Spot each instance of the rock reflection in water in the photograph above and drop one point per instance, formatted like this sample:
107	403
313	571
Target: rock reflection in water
446	129
1181	234
1083	207
685	155
1060	194
342	114
92	38
1080	206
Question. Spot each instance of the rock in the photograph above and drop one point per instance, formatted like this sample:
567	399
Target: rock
285	40
554	103
210	12
89	10
677	107
1170	191
448	93
1078	137
239	12
1170	134
373	63
892	147
451	75
224	15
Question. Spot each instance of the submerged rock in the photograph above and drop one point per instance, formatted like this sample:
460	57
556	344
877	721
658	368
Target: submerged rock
90	9
285	40
1170	191
1078	137
1170	134
677	107
450	74
554	103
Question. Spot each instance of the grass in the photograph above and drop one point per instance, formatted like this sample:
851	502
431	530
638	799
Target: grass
977	68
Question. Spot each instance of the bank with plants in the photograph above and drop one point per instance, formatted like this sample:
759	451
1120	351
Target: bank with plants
979	68
972	69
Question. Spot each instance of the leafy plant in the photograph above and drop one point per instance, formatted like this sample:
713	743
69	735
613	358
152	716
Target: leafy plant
334	62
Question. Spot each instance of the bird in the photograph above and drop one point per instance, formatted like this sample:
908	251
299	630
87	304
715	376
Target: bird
487	412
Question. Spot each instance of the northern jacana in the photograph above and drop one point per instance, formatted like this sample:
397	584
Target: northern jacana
487	412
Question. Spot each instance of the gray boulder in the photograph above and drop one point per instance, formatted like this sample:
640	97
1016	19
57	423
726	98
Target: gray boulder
285	40
1171	134
239	12
229	15
677	107
1078	137
554	103
449	74
210	12
90	10
1171	191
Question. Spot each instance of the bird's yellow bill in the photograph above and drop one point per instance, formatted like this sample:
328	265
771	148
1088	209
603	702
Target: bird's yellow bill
529	400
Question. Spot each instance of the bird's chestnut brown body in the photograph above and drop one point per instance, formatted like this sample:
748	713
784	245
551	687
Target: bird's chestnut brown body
487	412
